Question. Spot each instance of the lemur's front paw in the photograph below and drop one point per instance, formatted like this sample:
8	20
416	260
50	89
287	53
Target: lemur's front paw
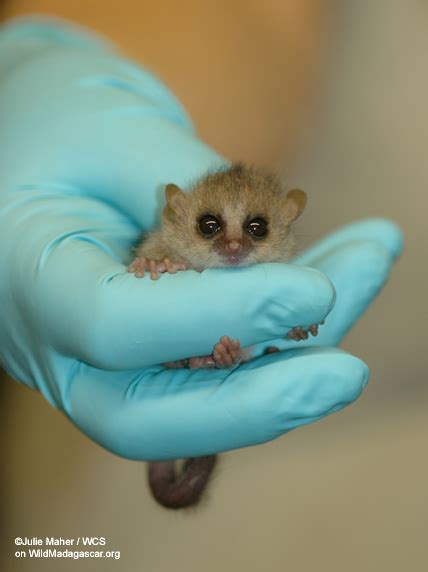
298	333
140	265
227	352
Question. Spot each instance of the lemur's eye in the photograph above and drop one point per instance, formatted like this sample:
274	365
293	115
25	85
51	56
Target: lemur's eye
209	225
257	227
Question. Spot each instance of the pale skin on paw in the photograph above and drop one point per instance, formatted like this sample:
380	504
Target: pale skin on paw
140	265
299	333
226	353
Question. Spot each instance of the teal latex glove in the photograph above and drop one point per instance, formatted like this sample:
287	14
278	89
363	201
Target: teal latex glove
88	141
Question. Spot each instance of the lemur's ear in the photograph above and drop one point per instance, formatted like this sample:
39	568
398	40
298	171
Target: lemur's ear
174	196
294	203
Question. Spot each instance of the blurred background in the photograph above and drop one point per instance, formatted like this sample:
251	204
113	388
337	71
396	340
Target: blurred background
334	95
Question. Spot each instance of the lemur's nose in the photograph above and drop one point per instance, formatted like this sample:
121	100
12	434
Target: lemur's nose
233	246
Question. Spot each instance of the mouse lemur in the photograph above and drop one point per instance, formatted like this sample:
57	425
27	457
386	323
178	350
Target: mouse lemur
237	216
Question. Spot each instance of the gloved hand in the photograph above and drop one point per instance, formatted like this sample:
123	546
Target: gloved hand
88	140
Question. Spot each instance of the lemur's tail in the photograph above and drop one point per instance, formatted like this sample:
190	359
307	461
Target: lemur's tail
180	489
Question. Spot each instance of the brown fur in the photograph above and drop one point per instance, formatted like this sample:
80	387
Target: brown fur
234	195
